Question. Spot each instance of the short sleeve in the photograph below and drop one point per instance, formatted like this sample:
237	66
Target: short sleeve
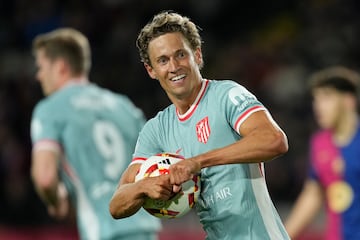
44	125
238	102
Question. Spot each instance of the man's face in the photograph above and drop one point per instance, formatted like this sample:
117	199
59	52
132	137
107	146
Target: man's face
175	65
328	106
46	72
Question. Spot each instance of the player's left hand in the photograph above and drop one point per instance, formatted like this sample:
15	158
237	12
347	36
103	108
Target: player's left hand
182	172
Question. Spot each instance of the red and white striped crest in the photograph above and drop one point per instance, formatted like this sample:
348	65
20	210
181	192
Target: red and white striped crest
203	130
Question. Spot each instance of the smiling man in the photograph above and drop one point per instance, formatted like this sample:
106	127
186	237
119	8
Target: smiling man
221	129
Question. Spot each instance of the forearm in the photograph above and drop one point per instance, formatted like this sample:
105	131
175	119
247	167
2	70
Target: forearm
257	147
305	209
44	173
46	186
299	219
126	201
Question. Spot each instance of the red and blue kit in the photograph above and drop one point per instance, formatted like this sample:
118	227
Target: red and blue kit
337	169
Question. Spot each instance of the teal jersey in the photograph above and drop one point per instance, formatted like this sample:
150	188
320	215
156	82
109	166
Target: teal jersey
234	202
97	131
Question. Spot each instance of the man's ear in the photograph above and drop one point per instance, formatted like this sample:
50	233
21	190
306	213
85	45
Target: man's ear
150	71
198	57
350	101
62	66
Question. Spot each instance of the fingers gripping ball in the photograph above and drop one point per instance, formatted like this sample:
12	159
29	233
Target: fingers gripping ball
182	202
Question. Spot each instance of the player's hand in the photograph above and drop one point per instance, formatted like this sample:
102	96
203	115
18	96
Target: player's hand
182	172
158	187
62	207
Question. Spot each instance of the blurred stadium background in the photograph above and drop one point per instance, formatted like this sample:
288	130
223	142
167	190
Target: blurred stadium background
268	46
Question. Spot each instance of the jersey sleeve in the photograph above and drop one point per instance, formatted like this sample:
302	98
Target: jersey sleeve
132	109
148	142
45	127
238	102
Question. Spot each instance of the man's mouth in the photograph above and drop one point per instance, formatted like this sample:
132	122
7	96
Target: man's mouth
177	78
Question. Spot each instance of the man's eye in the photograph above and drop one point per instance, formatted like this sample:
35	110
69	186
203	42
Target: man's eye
181	54
162	61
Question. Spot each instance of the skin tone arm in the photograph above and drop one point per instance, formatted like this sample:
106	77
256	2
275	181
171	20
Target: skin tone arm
262	140
129	196
44	172
306	207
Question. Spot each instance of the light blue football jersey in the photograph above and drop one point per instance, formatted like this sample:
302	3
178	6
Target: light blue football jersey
234	201
97	131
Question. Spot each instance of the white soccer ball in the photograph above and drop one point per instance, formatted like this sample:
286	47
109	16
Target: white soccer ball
182	202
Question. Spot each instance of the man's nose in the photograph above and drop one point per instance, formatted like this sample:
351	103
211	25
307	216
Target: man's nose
173	65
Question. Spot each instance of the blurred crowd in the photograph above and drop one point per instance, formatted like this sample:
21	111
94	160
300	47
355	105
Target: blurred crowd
270	47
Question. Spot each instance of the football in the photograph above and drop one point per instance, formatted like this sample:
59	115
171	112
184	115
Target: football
182	202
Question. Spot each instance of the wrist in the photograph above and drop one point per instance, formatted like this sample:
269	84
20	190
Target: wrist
197	165
141	188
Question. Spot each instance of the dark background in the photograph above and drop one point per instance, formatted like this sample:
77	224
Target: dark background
270	47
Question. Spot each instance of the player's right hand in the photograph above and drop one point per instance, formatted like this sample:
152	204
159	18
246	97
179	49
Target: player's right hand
158	187
62	208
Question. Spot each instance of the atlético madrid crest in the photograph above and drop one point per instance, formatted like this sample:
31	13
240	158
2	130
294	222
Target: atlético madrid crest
203	130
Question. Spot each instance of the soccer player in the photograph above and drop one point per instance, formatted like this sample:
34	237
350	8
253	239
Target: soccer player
221	129
83	138
334	174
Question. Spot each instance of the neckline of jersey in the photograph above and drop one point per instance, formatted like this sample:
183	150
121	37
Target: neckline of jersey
191	110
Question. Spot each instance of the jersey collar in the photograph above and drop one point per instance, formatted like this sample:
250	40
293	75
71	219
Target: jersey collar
76	82
191	110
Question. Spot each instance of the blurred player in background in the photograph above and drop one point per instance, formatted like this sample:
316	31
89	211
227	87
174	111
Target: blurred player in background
83	137
334	176
221	128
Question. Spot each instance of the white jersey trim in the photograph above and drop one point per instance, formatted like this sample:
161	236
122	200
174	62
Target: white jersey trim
263	201
190	111
47	145
246	114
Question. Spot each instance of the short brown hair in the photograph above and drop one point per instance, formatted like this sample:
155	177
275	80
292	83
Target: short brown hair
167	22
66	43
